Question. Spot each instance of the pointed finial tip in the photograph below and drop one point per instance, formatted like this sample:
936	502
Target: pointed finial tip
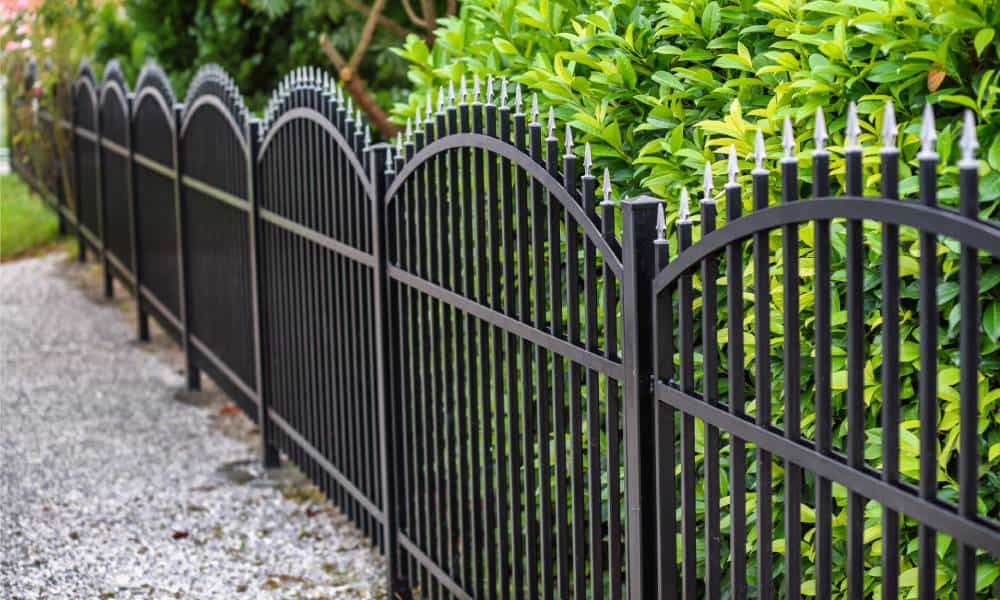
684	209
853	128
968	143
534	108
706	182
661	226
819	130
568	139
552	122
732	167
606	186
788	138
889	126
759	151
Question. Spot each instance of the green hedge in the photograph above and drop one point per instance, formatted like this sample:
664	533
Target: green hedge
660	87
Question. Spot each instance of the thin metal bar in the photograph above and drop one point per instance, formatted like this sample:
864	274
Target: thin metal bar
737	400
612	410
792	370
855	379
823	380
889	158
927	376
762	386
710	384
968	361
685	331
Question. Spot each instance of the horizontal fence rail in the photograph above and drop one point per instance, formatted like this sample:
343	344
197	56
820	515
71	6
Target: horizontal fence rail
447	335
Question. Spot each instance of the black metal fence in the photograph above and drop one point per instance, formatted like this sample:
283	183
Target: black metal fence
447	336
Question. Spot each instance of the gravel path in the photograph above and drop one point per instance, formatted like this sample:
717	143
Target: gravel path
112	488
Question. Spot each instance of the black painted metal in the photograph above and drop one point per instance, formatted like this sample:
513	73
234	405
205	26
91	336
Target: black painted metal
448	338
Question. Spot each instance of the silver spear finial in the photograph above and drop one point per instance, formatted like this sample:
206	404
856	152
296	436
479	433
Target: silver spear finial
606	187
889	127
732	168
568	140
853	129
552	122
819	130
661	226
534	108
684	215
518	101
489	89
706	183
928	133
759	151
587	160
788	139
968	143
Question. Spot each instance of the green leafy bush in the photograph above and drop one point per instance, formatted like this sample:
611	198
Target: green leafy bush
660	87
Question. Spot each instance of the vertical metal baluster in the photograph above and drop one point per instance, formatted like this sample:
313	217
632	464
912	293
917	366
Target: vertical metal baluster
927	376
710	383
855	361
511	351
527	396
613	414
591	292
968	362
542	392
689	477
665	433
445	527
578	550
468	348
558	384
737	390
453	326
459	474
484	552
822	383
889	158
762	372
791	358
498	520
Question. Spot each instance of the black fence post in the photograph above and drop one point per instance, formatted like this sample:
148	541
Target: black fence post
388	408
193	374
639	262
262	346
102	221
81	244
142	318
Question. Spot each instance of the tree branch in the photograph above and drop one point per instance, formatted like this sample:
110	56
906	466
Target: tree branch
384	21
430	19
413	15
356	88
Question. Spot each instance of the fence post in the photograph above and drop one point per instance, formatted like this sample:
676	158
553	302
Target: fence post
142	318
639	269
193	374
388	423
81	244
102	222
262	345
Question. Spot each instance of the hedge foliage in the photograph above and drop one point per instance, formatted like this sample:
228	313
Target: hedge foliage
660	87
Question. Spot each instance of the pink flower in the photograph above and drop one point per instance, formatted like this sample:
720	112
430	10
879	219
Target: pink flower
23	29
26	44
47	42
12	46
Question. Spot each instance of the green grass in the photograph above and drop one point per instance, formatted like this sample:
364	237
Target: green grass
26	224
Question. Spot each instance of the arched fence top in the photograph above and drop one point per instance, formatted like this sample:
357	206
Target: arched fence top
211	81
113	76
152	76
535	170
85	72
313	116
945	222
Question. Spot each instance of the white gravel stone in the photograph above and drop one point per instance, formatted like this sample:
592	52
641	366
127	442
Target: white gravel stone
110	487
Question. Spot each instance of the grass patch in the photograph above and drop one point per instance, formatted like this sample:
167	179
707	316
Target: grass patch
27	226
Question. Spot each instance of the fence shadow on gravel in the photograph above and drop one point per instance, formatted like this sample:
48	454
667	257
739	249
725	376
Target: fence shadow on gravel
447	335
